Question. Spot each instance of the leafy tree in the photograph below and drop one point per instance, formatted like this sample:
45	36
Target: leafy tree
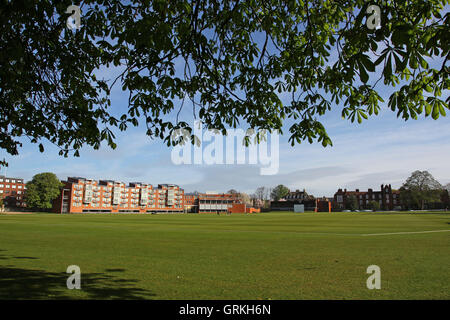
232	191
232	60
42	190
374	205
351	202
419	189
279	192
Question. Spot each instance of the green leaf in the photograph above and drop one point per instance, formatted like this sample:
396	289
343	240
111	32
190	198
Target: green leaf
363	74
436	111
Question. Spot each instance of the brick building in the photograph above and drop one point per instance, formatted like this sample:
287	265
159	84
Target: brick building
12	191
213	202
190	202
387	198
216	202
86	195
81	195
298	195
301	197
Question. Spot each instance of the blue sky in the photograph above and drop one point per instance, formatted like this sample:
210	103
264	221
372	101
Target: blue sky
383	149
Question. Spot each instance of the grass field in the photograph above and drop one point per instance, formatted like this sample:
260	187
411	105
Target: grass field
260	256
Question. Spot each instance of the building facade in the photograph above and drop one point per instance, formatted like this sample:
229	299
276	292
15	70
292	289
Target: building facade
86	195
81	195
216	202
12	192
301	197
191	202
298	195
213	202
387	198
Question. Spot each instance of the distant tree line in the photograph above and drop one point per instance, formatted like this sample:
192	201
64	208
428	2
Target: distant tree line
420	191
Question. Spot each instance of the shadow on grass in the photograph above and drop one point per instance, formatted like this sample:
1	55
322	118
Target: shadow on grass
17	283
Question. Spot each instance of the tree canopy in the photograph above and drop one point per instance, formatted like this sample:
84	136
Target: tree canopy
42	190
231	60
279	192
419	189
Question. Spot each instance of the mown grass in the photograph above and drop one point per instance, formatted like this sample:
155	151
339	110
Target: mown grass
260	256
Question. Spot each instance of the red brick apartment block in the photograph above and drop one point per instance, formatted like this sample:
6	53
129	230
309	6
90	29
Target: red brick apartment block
387	198
86	195
12	190
191	202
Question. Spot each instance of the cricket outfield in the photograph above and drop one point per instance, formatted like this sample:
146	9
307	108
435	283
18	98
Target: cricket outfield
277	255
